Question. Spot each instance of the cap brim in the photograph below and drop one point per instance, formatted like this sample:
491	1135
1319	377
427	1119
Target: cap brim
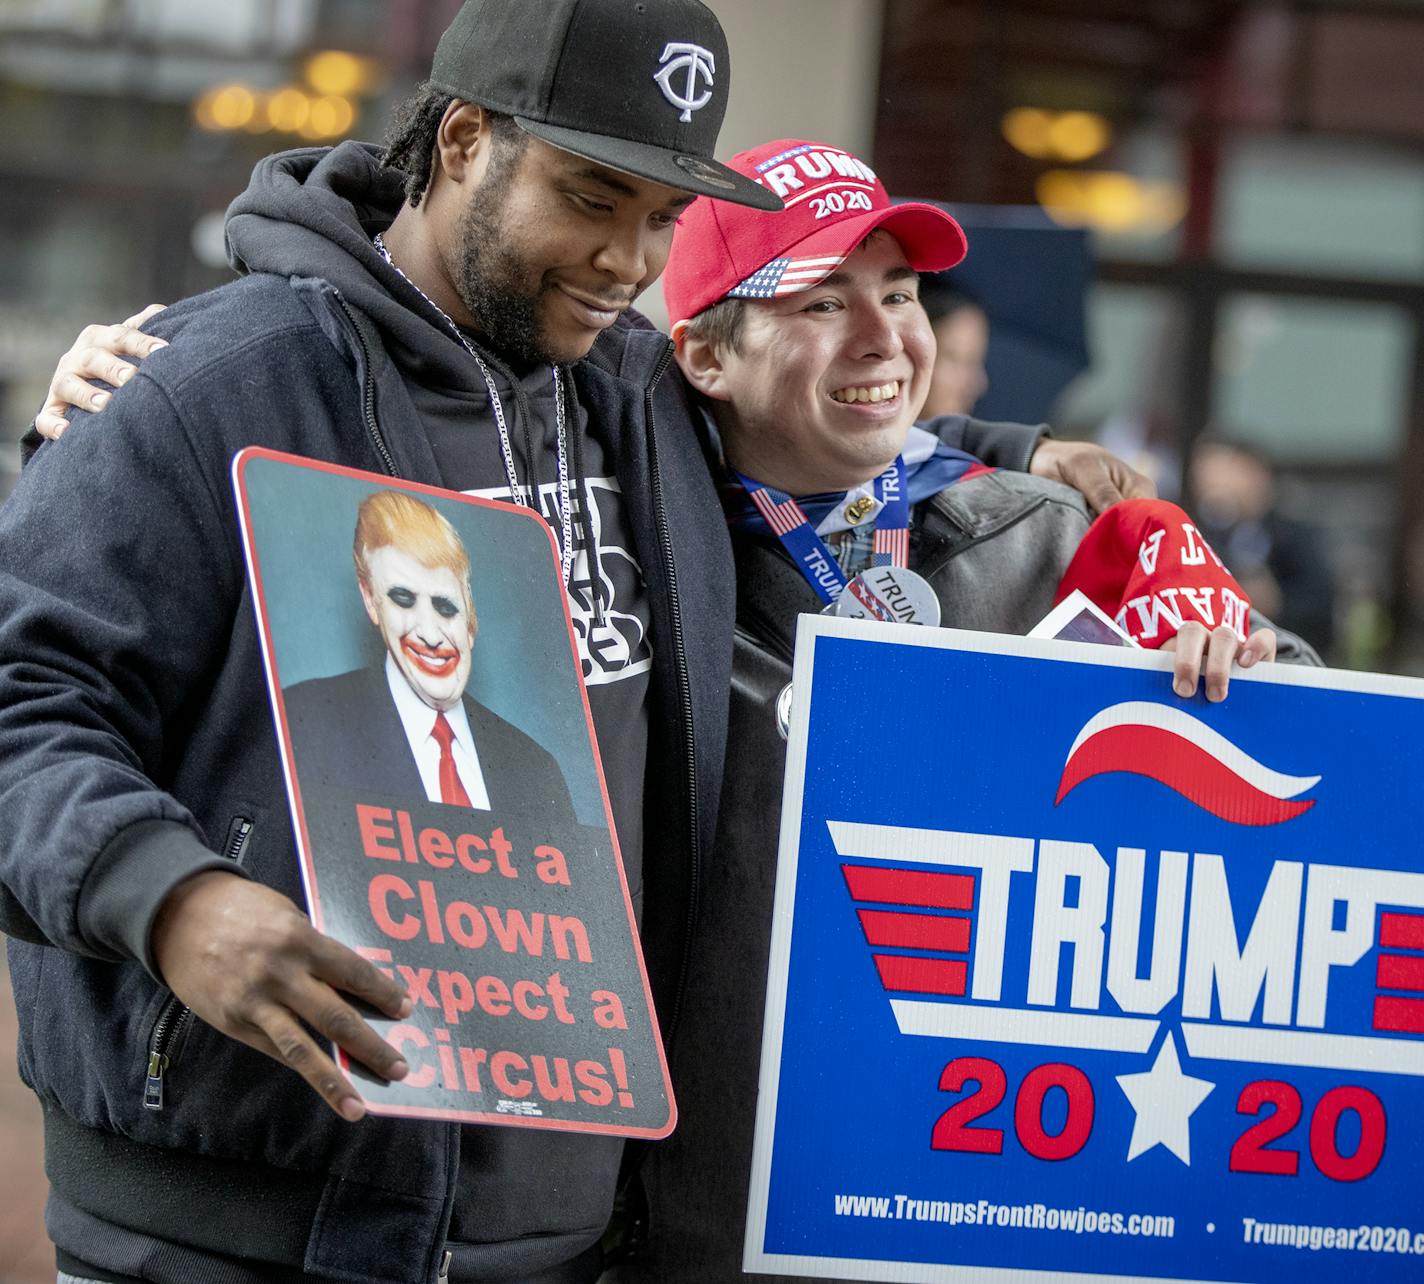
659	164
931	239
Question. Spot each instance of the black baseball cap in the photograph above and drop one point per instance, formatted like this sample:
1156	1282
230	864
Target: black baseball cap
637	85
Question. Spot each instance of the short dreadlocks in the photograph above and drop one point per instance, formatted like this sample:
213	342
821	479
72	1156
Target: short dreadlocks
410	140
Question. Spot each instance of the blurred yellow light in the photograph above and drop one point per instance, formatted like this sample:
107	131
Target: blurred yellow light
1116	202
333	71
1028	130
259	124
1063	193
1110	202
226	107
288	109
1166	205
1078	135
330	117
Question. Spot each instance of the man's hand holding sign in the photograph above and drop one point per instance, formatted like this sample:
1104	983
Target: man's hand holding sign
289	976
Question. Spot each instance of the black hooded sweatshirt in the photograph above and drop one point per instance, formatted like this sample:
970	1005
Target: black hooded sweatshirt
134	739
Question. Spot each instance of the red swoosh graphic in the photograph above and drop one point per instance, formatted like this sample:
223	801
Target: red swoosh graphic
1173	759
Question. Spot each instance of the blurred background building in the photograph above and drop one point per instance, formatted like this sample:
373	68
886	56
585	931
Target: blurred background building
1249	175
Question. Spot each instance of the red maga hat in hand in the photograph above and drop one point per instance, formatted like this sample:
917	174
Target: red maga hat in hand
1145	563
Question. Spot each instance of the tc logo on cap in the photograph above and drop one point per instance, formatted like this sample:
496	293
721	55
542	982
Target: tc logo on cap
696	62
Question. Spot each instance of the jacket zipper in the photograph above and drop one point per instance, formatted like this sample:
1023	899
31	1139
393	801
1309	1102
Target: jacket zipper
176	1016
684	687
368	391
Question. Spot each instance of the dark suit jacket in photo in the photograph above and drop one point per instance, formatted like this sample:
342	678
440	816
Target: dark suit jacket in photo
348	736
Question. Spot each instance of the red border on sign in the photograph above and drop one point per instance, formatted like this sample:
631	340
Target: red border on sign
239	473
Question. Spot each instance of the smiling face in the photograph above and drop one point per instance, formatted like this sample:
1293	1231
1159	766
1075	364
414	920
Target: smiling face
821	387
426	620
551	249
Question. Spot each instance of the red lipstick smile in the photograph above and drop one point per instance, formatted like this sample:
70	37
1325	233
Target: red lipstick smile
438	662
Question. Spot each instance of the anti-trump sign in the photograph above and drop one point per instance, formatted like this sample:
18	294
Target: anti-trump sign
1072	976
447	796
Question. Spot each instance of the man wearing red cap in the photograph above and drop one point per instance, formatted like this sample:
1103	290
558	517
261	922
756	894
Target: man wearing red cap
804	336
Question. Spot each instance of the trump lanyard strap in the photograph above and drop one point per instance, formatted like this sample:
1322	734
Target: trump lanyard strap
808	550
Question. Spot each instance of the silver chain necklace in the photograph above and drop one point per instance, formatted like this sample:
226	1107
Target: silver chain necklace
516	491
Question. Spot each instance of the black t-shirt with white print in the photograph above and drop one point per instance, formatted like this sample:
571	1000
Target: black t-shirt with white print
608	603
608	600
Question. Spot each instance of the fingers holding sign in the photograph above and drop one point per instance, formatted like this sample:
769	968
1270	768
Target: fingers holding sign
250	964
1210	654
100	352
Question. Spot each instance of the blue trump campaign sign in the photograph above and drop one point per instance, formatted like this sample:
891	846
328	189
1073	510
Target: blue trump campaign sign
1072	976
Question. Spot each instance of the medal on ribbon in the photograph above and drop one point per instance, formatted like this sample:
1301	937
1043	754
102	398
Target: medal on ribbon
888	591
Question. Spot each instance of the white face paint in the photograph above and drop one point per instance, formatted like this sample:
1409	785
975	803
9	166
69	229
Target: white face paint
423	616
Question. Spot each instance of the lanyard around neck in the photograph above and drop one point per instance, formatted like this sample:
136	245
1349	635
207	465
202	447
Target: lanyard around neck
516	491
808	550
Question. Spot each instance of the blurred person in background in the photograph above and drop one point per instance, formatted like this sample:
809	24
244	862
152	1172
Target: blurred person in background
1281	561
961	330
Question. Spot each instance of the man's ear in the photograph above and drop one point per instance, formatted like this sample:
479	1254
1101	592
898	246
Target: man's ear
702	366
462	143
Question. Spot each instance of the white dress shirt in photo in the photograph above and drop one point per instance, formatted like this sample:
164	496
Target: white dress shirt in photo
418	719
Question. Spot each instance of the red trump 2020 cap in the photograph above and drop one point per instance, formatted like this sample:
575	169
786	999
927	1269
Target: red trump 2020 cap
833	202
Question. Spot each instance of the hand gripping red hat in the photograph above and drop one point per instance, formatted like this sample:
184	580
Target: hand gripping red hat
833	202
1145	563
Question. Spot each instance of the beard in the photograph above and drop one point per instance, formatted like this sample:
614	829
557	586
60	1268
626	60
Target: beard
502	291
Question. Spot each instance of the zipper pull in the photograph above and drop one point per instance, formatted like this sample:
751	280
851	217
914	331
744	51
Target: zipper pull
237	839
445	1267
153	1086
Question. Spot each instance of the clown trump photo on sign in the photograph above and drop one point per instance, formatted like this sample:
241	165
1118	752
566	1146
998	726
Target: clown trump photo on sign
448	798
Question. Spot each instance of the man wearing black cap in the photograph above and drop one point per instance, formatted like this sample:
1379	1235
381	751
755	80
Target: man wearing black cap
421	324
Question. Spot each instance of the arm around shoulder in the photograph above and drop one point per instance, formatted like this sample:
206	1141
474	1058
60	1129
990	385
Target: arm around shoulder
1000	445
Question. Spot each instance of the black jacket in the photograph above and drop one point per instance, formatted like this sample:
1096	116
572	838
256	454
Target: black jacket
136	746
135	735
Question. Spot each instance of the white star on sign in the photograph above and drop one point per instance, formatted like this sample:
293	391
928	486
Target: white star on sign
1164	1099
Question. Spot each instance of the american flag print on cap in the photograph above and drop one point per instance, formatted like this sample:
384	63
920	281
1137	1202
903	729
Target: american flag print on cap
785	276
833	202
